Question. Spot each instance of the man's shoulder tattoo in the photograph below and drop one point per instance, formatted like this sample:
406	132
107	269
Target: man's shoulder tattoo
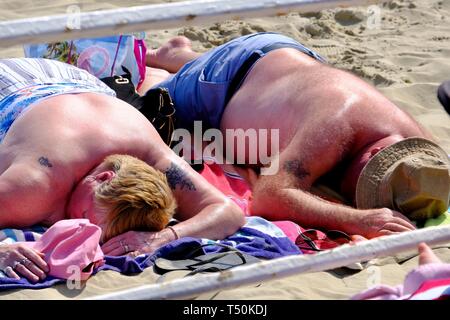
296	168
43	161
177	177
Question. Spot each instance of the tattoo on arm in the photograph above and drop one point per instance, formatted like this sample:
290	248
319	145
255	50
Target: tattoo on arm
43	161
177	177
296	168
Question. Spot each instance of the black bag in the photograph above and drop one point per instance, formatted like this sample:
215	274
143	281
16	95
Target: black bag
444	95
156	105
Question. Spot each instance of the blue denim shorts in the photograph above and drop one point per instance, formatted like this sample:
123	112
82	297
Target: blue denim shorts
202	88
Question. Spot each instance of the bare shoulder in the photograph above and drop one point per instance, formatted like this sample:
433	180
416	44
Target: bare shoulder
27	193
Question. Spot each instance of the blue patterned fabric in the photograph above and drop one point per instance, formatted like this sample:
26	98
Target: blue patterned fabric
26	81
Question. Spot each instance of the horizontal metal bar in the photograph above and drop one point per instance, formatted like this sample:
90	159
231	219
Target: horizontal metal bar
152	17
190	287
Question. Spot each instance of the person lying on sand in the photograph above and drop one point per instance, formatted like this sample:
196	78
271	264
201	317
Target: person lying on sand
334	128
70	149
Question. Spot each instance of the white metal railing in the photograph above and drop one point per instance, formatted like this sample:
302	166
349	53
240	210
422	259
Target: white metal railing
190	287
152	17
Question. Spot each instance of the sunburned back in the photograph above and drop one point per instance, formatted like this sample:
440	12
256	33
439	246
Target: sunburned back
313	105
60	139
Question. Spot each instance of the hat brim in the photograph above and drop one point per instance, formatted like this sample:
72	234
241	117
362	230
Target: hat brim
368	194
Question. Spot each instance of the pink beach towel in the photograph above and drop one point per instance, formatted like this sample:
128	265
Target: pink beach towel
235	187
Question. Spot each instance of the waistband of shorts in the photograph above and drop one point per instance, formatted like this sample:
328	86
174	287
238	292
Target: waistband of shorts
240	75
22	98
77	84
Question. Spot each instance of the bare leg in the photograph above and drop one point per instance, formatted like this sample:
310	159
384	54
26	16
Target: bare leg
426	255
172	55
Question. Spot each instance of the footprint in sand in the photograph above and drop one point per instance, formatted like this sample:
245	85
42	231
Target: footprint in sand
348	17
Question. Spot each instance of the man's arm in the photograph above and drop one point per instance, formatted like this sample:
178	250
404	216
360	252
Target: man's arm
310	211
204	210
286	196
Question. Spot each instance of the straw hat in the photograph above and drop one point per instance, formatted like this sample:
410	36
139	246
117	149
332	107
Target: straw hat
411	176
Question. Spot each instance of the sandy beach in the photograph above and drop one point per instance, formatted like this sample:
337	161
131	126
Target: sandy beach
402	47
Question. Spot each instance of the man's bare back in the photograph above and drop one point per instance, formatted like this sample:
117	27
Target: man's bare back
324	115
326	119
330	124
58	140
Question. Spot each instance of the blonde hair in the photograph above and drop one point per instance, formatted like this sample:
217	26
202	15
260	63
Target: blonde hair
138	197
